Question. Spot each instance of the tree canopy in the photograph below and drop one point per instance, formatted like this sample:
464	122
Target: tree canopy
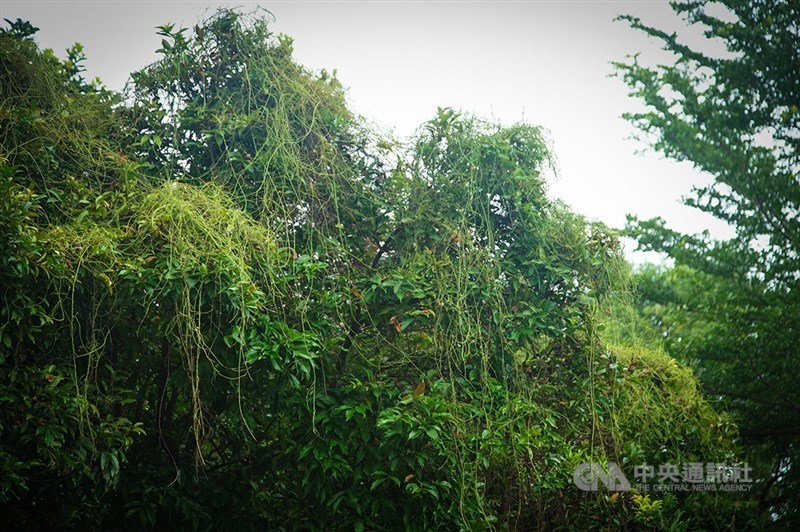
730	307
227	303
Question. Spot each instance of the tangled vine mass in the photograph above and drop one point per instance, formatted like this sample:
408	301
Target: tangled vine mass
229	303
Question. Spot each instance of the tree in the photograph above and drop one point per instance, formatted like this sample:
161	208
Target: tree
730	307
62	443
258	314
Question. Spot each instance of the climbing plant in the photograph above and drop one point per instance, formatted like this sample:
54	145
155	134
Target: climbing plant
229	303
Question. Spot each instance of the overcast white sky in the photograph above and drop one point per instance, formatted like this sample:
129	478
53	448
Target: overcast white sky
546	62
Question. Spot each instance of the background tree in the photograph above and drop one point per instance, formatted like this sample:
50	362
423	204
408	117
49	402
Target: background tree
731	307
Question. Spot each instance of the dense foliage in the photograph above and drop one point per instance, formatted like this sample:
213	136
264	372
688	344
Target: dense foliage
730	308
228	304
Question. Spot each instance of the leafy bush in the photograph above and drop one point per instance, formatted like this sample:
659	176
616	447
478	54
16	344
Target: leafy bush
260	314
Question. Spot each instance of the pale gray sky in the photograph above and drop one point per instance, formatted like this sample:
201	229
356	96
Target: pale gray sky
546	62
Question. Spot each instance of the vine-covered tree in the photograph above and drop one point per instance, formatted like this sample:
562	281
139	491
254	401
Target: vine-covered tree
731	307
228	304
